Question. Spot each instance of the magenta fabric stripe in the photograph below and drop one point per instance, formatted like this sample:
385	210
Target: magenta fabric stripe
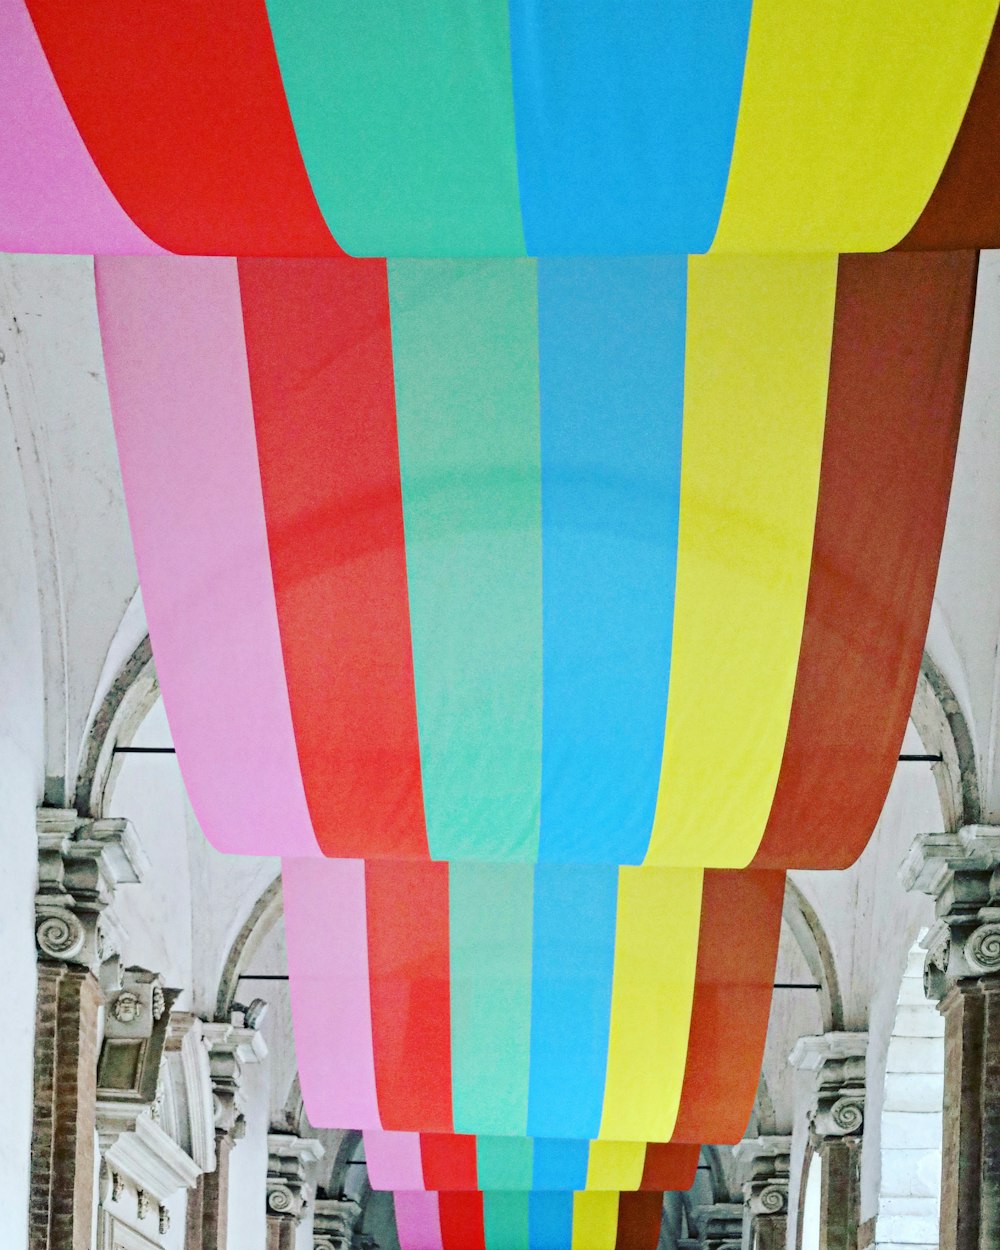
394	1160
172	331
418	1221
326	934
52	197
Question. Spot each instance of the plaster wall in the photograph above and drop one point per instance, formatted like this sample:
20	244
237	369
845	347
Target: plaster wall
21	773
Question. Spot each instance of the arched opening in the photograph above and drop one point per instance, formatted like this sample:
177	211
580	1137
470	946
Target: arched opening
910	1189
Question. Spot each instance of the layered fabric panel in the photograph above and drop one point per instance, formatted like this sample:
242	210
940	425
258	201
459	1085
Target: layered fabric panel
174	351
527	572
538	1221
443	982
405	115
899	356
836	147
756	367
183	110
625	121
53	198
320	360
426	1161
459	130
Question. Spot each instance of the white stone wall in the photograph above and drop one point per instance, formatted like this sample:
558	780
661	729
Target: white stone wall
909	1199
21	773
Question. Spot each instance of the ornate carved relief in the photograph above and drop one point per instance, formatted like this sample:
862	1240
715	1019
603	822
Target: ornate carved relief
837	1060
961	872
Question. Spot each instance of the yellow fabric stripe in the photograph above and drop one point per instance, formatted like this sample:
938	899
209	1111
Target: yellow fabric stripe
615	1164
595	1221
757	362
656	947
848	113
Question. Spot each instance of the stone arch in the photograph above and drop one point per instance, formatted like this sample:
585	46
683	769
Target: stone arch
807	929
938	718
124	707
264	915
910	1186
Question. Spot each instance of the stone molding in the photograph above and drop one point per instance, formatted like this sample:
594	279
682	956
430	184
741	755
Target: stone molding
151	1160
335	1223
189	1078
720	1225
837	1099
81	862
961	872
765	1194
230	1048
288	1160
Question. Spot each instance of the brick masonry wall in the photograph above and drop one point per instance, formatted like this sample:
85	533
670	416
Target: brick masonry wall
65	1093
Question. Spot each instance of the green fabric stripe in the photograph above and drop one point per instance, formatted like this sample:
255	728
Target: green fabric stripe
491	919
505	1221
465	354
505	1162
405	117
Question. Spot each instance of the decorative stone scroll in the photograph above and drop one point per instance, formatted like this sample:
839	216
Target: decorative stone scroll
961	872
288	1161
720	1226
335	1223
837	1099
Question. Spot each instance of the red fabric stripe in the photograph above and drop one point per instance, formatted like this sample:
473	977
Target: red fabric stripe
449	1161
183	110
409	972
462	1221
901	335
964	209
319	347
670	1166
639	1219
733	981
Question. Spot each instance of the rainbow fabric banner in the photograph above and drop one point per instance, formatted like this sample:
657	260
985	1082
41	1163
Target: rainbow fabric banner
620	561
555	1002
451	1162
528	1221
540	127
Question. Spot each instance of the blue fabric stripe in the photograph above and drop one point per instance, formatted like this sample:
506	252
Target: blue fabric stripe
625	114
560	1163
573	955
611	371
550	1221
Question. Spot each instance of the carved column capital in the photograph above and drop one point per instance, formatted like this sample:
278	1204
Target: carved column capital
288	1161
720	1225
837	1095
961	872
766	1192
230	1048
335	1223
81	863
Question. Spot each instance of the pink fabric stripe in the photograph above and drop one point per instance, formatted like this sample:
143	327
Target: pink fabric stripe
52	197
418	1221
394	1160
172	331
326	934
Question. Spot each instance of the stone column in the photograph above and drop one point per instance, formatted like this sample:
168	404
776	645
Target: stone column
836	1114
230	1048
288	1189
80	865
962	972
765	1194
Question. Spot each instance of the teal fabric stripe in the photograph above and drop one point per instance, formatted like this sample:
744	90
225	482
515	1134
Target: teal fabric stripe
505	1221
505	1163
404	114
490	913
465	348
